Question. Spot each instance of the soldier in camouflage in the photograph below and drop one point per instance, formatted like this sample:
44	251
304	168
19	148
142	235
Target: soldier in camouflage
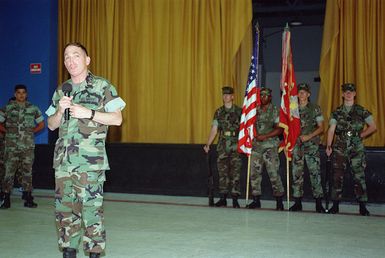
226	122
265	151
347	126
2	168
21	120
307	149
80	158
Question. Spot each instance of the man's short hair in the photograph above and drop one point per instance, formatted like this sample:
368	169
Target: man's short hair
77	44
20	87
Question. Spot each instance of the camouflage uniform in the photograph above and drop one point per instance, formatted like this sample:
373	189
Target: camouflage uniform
20	120
348	147
266	152
80	162
308	151
2	168
229	160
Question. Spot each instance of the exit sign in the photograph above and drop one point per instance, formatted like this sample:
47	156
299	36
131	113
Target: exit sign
35	68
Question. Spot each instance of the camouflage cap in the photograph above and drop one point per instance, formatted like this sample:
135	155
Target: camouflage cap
348	87
265	91
303	86
227	90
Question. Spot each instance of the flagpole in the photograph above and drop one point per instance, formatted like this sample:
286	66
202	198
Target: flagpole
247	128
248	179
288	182
289	113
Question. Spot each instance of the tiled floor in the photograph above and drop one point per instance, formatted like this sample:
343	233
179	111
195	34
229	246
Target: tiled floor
169	226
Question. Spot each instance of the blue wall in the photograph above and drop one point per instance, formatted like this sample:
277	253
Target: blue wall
28	30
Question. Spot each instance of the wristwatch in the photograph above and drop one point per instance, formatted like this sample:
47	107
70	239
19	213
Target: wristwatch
92	114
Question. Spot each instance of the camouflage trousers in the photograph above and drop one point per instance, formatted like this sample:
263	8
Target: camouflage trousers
229	170
18	162
2	168
355	156
79	199
269	158
310	154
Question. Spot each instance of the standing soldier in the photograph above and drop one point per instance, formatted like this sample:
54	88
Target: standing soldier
307	149
347	123
2	168
22	120
226	121
80	157
265	151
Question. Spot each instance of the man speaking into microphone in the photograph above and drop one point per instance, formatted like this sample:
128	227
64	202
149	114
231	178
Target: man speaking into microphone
80	158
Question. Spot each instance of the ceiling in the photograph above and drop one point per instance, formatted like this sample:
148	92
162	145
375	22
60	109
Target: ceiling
276	13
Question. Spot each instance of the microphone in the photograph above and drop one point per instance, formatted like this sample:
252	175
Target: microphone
67	88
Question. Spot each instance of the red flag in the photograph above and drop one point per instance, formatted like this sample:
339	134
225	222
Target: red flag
247	129
288	115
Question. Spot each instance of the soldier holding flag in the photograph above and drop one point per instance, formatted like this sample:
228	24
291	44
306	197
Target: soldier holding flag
307	149
265	150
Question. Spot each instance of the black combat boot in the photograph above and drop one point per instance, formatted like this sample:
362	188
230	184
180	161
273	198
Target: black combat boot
318	206
6	201
222	201
279	204
235	201
69	253
1	197
94	255
297	206
255	204
363	210
29	201
335	208
24	195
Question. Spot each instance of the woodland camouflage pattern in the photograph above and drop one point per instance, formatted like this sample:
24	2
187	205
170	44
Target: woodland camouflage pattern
266	152
19	120
229	160
2	168
81	143
348	146
80	161
308	151
79	197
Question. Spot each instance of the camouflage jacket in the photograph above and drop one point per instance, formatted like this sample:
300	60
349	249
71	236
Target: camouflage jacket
81	143
352	121
265	123
310	116
228	126
19	121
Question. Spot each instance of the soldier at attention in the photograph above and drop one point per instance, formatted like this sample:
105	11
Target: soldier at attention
80	158
226	122
265	151
347	128
307	149
2	168
20	120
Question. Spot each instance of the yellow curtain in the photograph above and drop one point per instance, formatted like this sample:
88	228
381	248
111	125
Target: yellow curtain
168	59
353	51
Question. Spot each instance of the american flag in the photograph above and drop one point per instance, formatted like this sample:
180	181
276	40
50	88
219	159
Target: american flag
247	129
288	115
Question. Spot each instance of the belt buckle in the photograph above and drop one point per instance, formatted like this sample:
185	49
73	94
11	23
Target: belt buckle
227	133
349	133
